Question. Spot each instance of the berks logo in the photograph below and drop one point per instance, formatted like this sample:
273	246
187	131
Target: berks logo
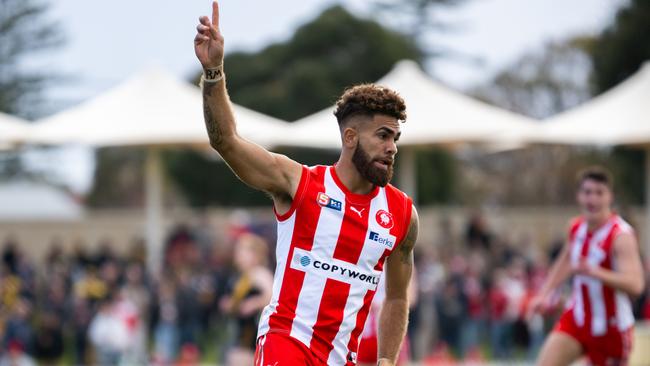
375	237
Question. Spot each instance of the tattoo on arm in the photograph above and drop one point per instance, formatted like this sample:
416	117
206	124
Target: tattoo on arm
406	248
214	130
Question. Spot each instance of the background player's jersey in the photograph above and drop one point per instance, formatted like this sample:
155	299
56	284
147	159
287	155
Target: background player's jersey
331	249
595	306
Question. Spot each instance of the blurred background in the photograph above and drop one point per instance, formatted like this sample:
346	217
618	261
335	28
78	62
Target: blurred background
126	240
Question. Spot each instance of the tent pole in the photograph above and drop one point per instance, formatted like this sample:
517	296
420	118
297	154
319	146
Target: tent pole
408	172
646	228
153	209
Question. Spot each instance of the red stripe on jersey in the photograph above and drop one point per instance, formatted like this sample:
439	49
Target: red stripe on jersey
330	317
382	259
362	315
305	226
353	232
400	206
573	227
586	299
608	292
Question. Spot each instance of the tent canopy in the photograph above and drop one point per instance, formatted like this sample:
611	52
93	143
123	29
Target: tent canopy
435	115
620	116
13	130
150	109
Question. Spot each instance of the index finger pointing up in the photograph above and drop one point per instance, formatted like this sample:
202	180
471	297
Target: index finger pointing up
215	14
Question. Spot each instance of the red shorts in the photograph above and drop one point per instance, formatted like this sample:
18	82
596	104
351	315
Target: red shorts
278	349
611	349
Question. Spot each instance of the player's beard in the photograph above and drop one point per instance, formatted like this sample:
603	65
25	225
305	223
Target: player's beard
365	165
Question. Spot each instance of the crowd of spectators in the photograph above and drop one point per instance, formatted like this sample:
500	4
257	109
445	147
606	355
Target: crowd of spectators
101	307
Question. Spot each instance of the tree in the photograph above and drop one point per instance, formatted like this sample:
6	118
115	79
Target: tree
618	52
418	19
621	49
543	82
290	80
539	84
305	74
25	31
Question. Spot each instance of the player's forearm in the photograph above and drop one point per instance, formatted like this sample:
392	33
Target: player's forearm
630	283
218	114
392	328
559	273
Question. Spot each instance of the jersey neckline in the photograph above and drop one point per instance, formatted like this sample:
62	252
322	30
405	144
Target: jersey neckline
351	195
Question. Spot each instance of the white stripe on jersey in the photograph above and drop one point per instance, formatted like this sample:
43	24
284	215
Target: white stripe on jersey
576	250
624	314
325	239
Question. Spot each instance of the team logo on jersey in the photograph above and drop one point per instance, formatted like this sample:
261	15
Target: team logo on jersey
384	219
375	237
325	201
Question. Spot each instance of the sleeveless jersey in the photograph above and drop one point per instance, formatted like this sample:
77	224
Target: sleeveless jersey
596	307
331	249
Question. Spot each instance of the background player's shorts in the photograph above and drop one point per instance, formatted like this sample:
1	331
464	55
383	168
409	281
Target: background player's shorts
277	349
613	348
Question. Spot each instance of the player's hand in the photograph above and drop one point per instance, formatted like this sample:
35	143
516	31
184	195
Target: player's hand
208	43
384	362
584	268
537	304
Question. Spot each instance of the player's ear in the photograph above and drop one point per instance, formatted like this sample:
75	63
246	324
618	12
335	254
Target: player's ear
350	137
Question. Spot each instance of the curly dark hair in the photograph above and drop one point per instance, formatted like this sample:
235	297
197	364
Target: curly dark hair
368	100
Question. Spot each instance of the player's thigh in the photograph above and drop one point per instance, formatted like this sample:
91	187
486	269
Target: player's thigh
559	349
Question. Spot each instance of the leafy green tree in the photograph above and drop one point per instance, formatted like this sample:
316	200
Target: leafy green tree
619	52
621	49
543	82
305	74
25	31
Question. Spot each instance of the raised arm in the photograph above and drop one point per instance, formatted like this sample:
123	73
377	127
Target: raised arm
394	312
255	166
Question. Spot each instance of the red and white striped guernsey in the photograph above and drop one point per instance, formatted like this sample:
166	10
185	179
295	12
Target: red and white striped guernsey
330	252
597	307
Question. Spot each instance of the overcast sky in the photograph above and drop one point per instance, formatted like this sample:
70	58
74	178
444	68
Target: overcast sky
108	41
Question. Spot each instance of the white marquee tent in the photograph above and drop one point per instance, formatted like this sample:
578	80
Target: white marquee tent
150	109
620	116
435	115
13	130
154	110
